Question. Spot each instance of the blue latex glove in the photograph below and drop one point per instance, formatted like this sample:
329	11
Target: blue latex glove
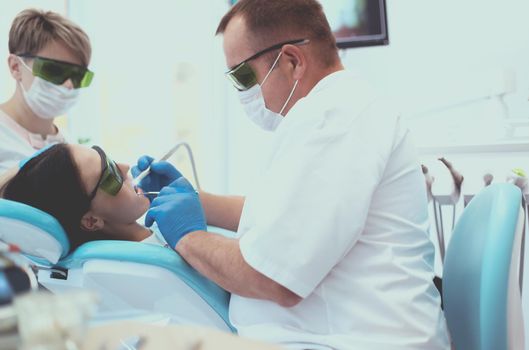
162	174
177	211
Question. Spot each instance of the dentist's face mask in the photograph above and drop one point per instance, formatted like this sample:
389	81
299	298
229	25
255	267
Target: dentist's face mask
45	98
251	96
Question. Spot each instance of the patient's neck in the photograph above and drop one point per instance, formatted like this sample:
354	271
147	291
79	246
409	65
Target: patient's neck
127	232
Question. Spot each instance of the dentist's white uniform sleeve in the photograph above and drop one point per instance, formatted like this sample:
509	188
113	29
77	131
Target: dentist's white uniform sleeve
311	205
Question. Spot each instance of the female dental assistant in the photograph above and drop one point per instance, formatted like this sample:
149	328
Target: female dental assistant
332	249
48	58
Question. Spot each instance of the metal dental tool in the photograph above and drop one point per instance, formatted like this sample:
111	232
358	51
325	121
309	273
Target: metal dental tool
147	171
148	194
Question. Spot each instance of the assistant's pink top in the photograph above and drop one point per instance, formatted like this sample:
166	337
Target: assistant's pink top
17	143
35	140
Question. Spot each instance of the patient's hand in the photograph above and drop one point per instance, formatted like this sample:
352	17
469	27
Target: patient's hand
162	174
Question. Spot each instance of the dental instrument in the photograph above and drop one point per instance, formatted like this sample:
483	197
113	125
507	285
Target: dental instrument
147	171
152	193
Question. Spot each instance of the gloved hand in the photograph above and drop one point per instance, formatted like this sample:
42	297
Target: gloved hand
177	211
162	174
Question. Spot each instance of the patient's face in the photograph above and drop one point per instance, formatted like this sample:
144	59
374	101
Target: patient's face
124	208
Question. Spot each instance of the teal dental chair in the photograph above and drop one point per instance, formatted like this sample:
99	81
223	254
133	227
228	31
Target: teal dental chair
130	278
481	278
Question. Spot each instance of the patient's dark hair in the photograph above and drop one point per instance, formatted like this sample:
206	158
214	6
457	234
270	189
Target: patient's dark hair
52	183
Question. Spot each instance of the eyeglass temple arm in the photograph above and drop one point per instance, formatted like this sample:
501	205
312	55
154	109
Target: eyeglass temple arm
275	47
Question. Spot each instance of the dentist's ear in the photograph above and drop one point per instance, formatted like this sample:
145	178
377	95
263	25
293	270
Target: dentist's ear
90	222
296	61
15	67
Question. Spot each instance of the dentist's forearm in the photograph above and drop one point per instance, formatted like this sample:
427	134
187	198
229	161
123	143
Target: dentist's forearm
222	211
220	260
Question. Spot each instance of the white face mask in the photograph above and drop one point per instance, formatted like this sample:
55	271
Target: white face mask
48	100
255	106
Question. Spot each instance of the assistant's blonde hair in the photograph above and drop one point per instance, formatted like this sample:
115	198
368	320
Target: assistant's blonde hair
33	29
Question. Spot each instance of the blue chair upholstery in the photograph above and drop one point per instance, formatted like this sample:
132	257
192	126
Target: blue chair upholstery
25	226
478	271
42	239
153	255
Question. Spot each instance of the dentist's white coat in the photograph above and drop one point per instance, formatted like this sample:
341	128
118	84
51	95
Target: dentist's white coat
340	218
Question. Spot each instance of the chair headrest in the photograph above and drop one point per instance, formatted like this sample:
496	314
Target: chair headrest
478	268
38	234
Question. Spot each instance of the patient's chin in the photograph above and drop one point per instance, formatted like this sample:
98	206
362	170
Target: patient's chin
143	206
132	209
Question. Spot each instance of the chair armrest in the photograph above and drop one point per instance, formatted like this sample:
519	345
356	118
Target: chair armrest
166	258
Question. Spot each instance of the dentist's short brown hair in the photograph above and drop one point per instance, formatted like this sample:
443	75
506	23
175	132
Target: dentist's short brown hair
274	21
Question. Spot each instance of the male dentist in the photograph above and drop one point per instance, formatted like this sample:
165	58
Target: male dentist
332	250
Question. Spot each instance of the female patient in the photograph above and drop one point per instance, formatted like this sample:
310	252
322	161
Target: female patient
92	197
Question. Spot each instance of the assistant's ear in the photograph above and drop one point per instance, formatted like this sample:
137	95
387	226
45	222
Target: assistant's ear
91	222
15	67
296	61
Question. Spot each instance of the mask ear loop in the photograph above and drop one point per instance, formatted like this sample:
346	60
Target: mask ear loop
271	69
28	68
24	64
293	89
289	97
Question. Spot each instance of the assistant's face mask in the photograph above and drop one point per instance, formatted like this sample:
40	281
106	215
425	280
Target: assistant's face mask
255	106
48	100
